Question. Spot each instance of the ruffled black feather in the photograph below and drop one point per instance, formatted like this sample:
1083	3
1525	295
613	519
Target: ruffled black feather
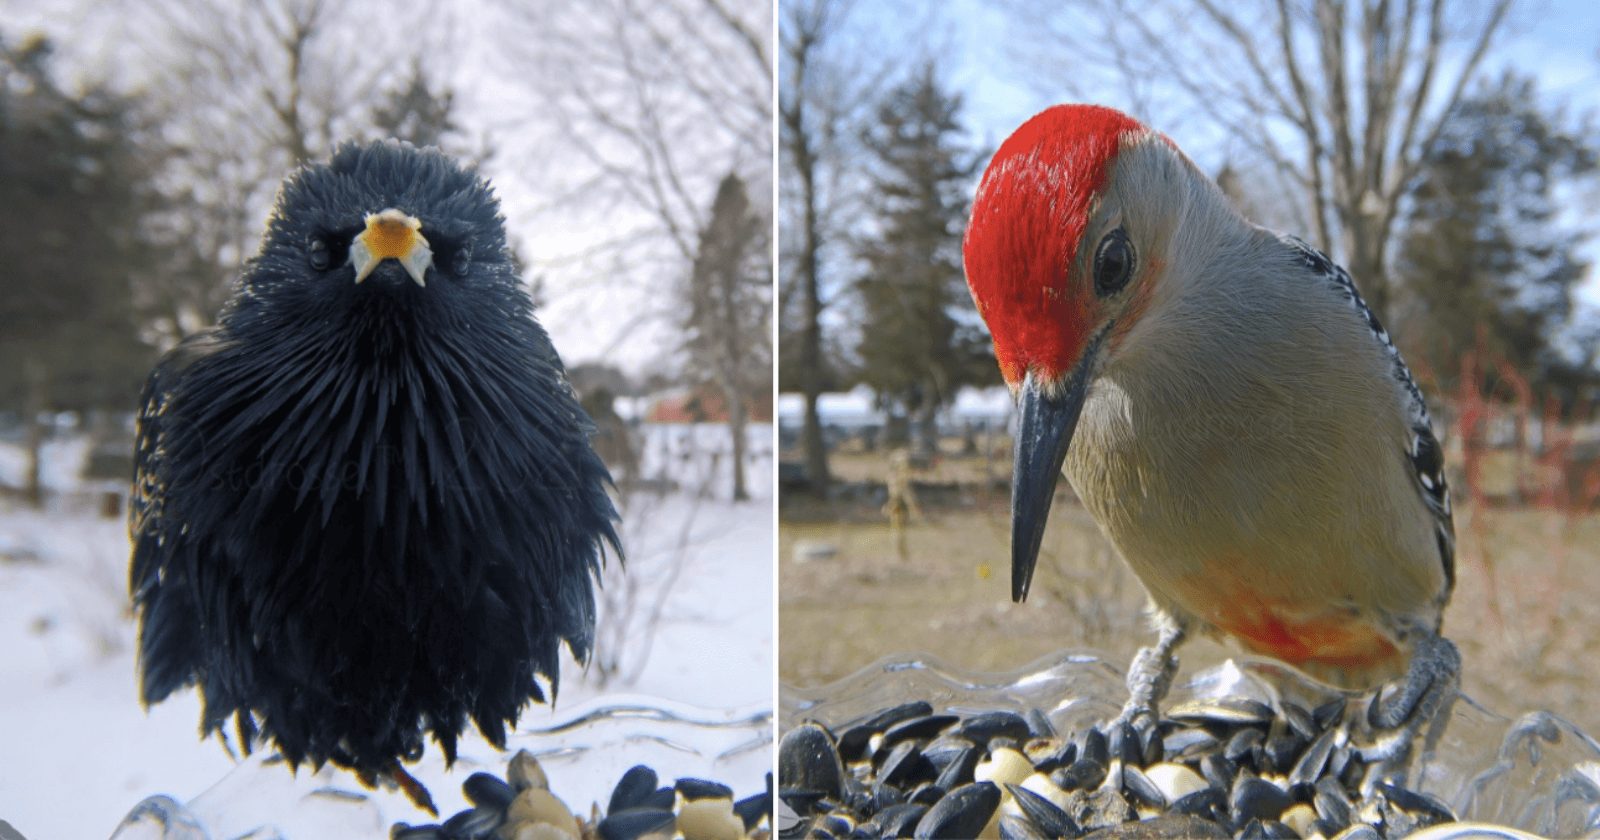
367	512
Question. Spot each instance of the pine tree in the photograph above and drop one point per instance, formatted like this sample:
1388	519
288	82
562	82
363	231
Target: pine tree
920	338
729	297
71	198
1486	246
417	113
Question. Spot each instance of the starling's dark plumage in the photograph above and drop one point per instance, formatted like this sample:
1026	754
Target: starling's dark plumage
365	511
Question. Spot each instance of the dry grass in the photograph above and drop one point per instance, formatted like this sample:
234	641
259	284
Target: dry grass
949	468
1525	613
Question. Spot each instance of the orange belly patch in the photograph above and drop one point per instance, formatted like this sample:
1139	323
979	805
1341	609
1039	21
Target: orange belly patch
1343	642
1317	638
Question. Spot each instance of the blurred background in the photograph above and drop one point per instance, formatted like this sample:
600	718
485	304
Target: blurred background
1444	152
141	144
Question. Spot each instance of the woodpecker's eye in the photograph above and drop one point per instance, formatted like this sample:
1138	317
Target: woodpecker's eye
317	253
1113	263
463	261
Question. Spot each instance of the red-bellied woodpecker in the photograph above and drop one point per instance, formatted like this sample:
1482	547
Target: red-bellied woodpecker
1227	408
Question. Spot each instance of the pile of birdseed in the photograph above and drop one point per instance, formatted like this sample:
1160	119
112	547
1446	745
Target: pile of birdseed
1211	768
521	807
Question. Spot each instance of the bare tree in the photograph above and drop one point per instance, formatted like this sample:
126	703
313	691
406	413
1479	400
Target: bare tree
666	534
1344	100
633	607
628	114
825	92
644	107
803	28
636	110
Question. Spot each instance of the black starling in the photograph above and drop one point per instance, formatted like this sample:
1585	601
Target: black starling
365	504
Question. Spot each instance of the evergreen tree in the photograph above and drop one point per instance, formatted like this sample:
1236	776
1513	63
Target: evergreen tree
728	320
920	338
1486	246
71	199
417	113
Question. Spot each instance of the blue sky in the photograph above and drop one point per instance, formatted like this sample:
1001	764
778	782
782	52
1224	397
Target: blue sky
1556	40
976	41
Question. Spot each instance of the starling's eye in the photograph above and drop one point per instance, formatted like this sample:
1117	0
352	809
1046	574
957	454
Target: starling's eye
462	261
1113	263
317	253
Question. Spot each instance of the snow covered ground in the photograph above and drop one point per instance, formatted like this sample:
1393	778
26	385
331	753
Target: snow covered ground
687	688
859	407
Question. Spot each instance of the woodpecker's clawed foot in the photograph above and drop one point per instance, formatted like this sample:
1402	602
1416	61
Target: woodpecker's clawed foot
1140	718
1425	697
1434	674
1149	679
396	775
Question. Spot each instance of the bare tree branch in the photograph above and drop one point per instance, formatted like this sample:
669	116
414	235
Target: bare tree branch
244	92
672	95
1346	103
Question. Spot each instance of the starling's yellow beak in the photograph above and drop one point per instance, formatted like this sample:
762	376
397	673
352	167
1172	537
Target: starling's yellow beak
391	234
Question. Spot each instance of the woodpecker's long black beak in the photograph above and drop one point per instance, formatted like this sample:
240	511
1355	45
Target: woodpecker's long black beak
1043	436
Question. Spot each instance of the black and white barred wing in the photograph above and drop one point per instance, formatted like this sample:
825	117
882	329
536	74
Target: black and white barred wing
1425	456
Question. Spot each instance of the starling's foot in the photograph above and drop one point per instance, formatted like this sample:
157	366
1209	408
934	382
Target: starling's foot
1430	689
414	790
396	774
1150	677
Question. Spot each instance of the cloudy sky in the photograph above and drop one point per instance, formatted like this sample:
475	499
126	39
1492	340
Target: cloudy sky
614	305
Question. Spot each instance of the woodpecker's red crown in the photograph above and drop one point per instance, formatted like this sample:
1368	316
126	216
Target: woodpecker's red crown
1028	220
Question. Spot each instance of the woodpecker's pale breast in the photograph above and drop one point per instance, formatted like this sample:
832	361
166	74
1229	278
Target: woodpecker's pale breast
1250	450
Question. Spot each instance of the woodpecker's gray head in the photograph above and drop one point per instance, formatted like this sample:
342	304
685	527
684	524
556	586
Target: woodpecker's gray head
1064	255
